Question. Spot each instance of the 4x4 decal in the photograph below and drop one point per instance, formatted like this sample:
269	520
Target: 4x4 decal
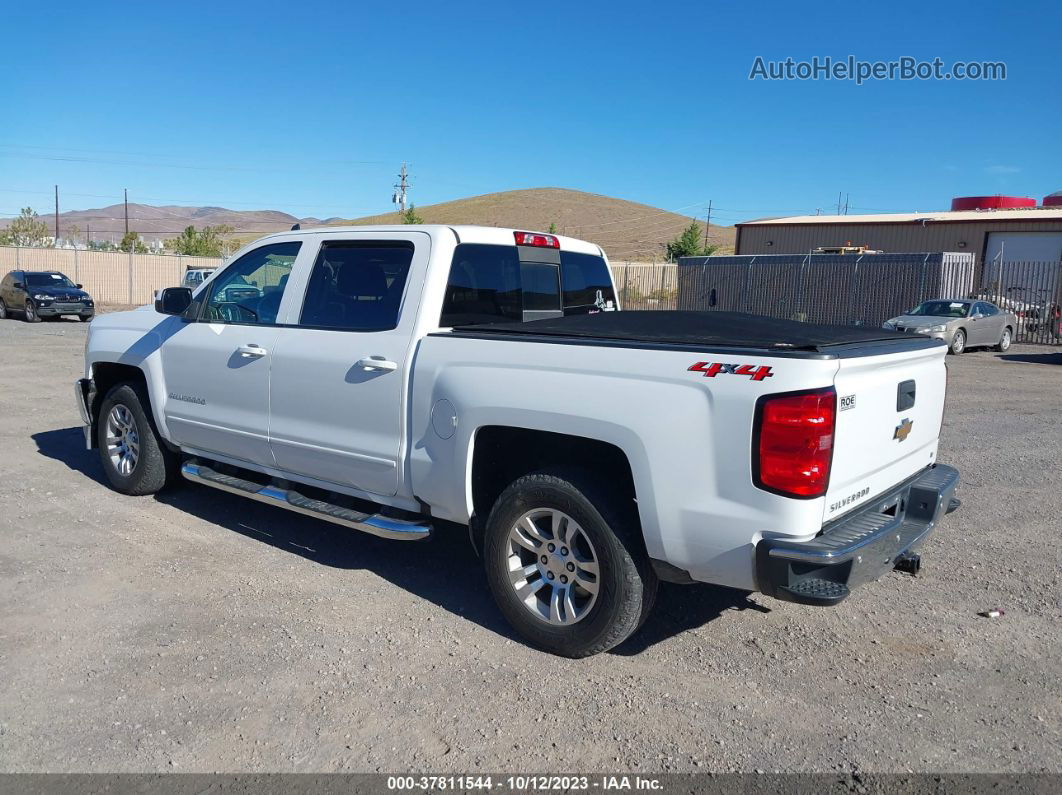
711	370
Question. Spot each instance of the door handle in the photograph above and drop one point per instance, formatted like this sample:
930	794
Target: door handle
374	363
252	351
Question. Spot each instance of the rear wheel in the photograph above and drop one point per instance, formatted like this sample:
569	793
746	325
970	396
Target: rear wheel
1004	341
133	456
958	342
566	563
29	312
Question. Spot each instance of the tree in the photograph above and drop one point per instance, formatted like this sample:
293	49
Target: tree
552	227
73	232
131	242
26	230
688	244
410	216
205	242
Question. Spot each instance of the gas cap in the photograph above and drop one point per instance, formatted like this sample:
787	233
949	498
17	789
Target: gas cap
444	418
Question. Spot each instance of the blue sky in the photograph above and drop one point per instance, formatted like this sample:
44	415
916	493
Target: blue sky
311	107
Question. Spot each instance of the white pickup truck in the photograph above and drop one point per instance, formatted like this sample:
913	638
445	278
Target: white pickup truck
396	379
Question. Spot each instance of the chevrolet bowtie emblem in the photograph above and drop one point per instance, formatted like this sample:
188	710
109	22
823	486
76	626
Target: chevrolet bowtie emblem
903	430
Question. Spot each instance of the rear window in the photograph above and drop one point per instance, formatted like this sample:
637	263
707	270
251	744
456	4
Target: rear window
489	284
587	284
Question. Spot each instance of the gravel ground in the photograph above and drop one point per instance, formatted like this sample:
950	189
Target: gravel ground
198	631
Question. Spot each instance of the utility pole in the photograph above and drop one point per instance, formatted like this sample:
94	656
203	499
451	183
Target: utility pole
399	196
838	202
126	192
846	204
56	243
707	224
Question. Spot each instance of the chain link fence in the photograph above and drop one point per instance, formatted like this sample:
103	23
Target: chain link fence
110	277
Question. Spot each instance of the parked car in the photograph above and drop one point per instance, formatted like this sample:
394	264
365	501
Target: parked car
196	276
43	294
962	323
415	376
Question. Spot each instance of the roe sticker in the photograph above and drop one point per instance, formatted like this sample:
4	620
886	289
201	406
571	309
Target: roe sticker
846	402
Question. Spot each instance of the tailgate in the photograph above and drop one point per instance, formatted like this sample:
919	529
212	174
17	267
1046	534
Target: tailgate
889	411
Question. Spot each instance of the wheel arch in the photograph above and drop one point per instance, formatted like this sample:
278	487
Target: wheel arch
501	454
105	375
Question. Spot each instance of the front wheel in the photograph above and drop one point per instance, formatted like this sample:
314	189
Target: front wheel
134	458
29	312
1004	341
566	563
3	310
958	342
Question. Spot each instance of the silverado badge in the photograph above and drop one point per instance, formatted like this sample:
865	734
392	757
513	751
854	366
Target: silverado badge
903	430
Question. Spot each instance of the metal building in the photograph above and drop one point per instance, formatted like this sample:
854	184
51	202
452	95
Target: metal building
1031	234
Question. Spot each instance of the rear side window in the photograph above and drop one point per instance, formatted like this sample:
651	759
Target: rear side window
587	284
357	285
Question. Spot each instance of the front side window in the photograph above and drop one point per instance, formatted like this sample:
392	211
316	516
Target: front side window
357	285
250	289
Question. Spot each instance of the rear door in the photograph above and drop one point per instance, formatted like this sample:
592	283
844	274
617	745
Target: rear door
339	366
889	411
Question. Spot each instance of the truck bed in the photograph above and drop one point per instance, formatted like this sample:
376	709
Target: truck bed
704	329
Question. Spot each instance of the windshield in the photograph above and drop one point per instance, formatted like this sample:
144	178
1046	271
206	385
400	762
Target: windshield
48	280
941	309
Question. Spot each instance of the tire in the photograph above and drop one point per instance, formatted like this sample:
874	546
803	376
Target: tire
958	343
3	310
127	407
85	318
29	313
1004	341
601	527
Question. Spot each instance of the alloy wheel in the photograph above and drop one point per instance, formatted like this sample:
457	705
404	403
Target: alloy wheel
553	567
123	439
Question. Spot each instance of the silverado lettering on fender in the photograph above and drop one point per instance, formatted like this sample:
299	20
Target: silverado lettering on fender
389	379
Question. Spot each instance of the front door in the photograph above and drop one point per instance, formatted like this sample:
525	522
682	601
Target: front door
339	364
216	366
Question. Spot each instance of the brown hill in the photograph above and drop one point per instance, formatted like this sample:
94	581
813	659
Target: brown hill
158	223
626	230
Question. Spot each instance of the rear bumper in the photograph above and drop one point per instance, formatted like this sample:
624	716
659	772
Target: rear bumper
860	547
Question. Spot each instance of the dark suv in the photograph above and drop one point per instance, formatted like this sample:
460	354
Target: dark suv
40	294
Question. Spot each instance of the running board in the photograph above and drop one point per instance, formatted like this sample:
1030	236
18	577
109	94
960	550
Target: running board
374	524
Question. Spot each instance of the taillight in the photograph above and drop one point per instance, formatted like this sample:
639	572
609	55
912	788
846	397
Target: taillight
793	442
536	239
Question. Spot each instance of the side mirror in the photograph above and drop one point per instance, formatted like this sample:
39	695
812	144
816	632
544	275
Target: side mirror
173	300
19	286
80	286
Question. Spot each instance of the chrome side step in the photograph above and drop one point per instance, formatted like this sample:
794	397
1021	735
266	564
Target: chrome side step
374	524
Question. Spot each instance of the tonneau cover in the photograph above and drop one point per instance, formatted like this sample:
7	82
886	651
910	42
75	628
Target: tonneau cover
709	329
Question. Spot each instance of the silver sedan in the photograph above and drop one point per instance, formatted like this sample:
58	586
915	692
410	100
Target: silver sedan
962	323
